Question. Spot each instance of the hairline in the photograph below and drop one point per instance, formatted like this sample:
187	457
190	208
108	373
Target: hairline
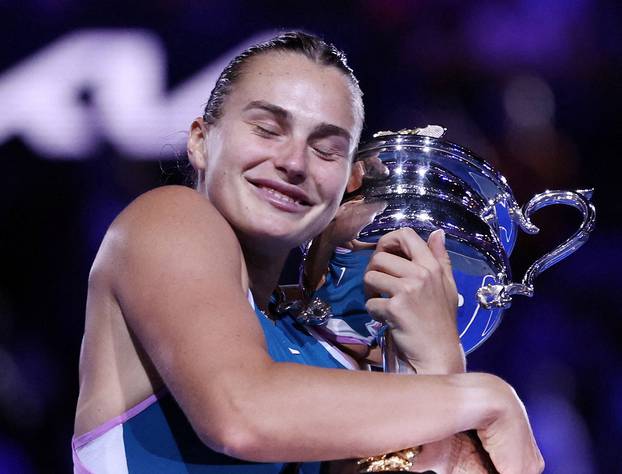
356	99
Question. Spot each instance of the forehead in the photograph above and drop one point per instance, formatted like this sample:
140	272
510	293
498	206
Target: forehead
294	82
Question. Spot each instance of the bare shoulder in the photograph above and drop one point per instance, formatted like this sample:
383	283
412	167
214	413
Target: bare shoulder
169	212
170	201
173	267
170	252
168	227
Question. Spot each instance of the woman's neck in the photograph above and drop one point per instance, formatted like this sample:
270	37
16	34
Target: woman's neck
263	274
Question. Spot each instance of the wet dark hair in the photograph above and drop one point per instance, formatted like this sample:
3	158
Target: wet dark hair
311	46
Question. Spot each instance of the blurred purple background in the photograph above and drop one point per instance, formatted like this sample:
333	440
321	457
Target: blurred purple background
95	99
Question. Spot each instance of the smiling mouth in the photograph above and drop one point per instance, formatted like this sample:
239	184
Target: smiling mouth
282	197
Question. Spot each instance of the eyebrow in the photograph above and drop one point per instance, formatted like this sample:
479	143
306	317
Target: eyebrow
321	130
268	107
327	129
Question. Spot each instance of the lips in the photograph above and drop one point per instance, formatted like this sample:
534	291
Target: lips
282	195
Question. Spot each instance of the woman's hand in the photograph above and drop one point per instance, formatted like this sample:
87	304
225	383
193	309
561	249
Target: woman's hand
503	443
507	437
461	453
414	292
491	404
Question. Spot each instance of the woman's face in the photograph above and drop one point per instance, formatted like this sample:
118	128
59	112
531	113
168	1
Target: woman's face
277	161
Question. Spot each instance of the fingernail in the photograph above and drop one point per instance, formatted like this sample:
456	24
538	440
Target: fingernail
442	234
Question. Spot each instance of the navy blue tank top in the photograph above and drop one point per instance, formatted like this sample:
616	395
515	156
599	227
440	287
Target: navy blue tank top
159	439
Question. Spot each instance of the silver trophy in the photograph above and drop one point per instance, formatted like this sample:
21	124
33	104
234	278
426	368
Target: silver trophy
427	183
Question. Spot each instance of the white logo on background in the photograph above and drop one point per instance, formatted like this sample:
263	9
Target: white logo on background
123	73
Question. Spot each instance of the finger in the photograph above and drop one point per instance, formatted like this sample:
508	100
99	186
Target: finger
375	206
353	217
391	264
408	243
378	283
365	212
375	168
377	308
356	178
356	244
395	242
436	244
346	206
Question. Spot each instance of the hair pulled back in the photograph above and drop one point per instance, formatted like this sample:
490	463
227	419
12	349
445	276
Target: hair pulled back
311	46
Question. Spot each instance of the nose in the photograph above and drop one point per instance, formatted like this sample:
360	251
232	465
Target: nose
292	163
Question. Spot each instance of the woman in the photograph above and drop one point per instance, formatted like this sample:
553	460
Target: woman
179	373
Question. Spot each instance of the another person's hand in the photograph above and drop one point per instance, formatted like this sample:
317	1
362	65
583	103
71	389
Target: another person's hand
352	217
369	168
355	214
413	291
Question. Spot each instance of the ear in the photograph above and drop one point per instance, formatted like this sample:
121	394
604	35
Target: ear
196	144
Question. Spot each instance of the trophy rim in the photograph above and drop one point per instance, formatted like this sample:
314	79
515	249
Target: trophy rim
455	151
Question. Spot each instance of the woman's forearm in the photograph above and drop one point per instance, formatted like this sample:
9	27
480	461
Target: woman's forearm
390	413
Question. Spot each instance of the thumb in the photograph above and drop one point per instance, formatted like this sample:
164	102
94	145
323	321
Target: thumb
436	244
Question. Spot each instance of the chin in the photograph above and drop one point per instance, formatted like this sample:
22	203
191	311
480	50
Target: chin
282	234
265	225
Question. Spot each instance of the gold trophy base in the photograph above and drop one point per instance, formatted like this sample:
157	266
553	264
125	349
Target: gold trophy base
399	461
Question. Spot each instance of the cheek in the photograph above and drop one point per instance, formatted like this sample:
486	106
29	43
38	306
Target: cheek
246	150
332	182
215	188
215	175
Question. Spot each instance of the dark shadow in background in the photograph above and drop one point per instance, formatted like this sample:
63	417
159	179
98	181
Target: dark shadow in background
533	86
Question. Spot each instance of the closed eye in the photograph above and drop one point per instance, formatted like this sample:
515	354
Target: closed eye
329	143
327	153
265	131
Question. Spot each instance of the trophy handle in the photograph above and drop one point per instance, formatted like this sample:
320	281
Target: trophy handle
500	294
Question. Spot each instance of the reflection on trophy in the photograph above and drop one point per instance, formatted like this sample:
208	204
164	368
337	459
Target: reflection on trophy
416	179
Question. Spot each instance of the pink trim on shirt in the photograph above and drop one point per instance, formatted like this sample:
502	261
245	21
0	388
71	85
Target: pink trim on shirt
78	442
341	357
331	336
78	467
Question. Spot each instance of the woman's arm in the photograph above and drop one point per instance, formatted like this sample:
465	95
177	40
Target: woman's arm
178	280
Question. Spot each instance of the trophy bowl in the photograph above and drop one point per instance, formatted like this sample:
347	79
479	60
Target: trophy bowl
428	183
